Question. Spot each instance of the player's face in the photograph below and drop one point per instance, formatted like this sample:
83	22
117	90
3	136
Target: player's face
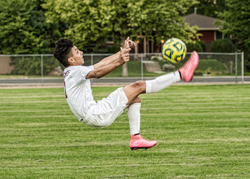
77	56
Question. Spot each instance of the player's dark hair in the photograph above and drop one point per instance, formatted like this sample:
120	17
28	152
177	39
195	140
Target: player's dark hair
62	51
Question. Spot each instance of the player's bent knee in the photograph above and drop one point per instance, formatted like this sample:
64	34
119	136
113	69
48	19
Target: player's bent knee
137	100
140	86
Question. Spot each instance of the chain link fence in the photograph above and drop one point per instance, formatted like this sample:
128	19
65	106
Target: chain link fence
44	68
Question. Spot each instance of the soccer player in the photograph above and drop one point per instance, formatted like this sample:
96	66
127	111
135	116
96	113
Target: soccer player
102	113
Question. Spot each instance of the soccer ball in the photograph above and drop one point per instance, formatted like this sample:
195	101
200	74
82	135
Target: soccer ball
174	50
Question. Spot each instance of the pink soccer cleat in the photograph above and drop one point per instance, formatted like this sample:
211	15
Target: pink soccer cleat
137	142
189	67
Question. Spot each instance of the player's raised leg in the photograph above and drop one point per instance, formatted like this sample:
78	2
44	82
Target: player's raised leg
184	73
149	86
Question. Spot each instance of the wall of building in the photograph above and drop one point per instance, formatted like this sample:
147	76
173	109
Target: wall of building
5	67
207	36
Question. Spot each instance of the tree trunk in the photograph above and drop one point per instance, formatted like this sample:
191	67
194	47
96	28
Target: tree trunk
124	67
225	65
124	70
229	66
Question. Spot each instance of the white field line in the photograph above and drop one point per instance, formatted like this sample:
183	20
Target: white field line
148	108
31	102
30	96
15	167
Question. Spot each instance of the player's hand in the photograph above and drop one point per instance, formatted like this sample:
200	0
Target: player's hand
129	43
124	56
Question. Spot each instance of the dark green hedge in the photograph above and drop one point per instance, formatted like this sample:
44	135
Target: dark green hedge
194	46
223	45
31	65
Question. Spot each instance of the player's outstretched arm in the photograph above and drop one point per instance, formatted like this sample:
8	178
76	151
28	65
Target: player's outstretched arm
104	70
128	43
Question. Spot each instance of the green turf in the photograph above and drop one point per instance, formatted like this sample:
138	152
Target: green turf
202	132
134	70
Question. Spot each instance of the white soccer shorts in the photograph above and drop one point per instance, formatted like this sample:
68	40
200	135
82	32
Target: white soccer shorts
105	111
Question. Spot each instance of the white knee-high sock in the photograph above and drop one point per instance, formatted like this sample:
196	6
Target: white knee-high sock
134	117
162	82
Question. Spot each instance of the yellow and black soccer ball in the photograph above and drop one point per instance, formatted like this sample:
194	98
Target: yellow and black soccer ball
174	50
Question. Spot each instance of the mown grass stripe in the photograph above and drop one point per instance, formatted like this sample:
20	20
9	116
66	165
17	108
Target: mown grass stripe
202	132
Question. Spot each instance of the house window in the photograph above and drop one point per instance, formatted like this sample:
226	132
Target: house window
219	35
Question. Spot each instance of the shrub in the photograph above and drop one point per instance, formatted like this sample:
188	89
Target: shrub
194	46
198	73
31	65
203	45
223	45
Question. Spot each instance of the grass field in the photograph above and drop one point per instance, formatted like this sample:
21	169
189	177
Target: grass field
202	132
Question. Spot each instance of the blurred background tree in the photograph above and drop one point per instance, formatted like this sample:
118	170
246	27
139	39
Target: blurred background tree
236	24
33	26
92	21
208	8
24	29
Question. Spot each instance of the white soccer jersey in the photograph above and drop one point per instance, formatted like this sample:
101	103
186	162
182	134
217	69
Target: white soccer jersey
78	90
79	97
